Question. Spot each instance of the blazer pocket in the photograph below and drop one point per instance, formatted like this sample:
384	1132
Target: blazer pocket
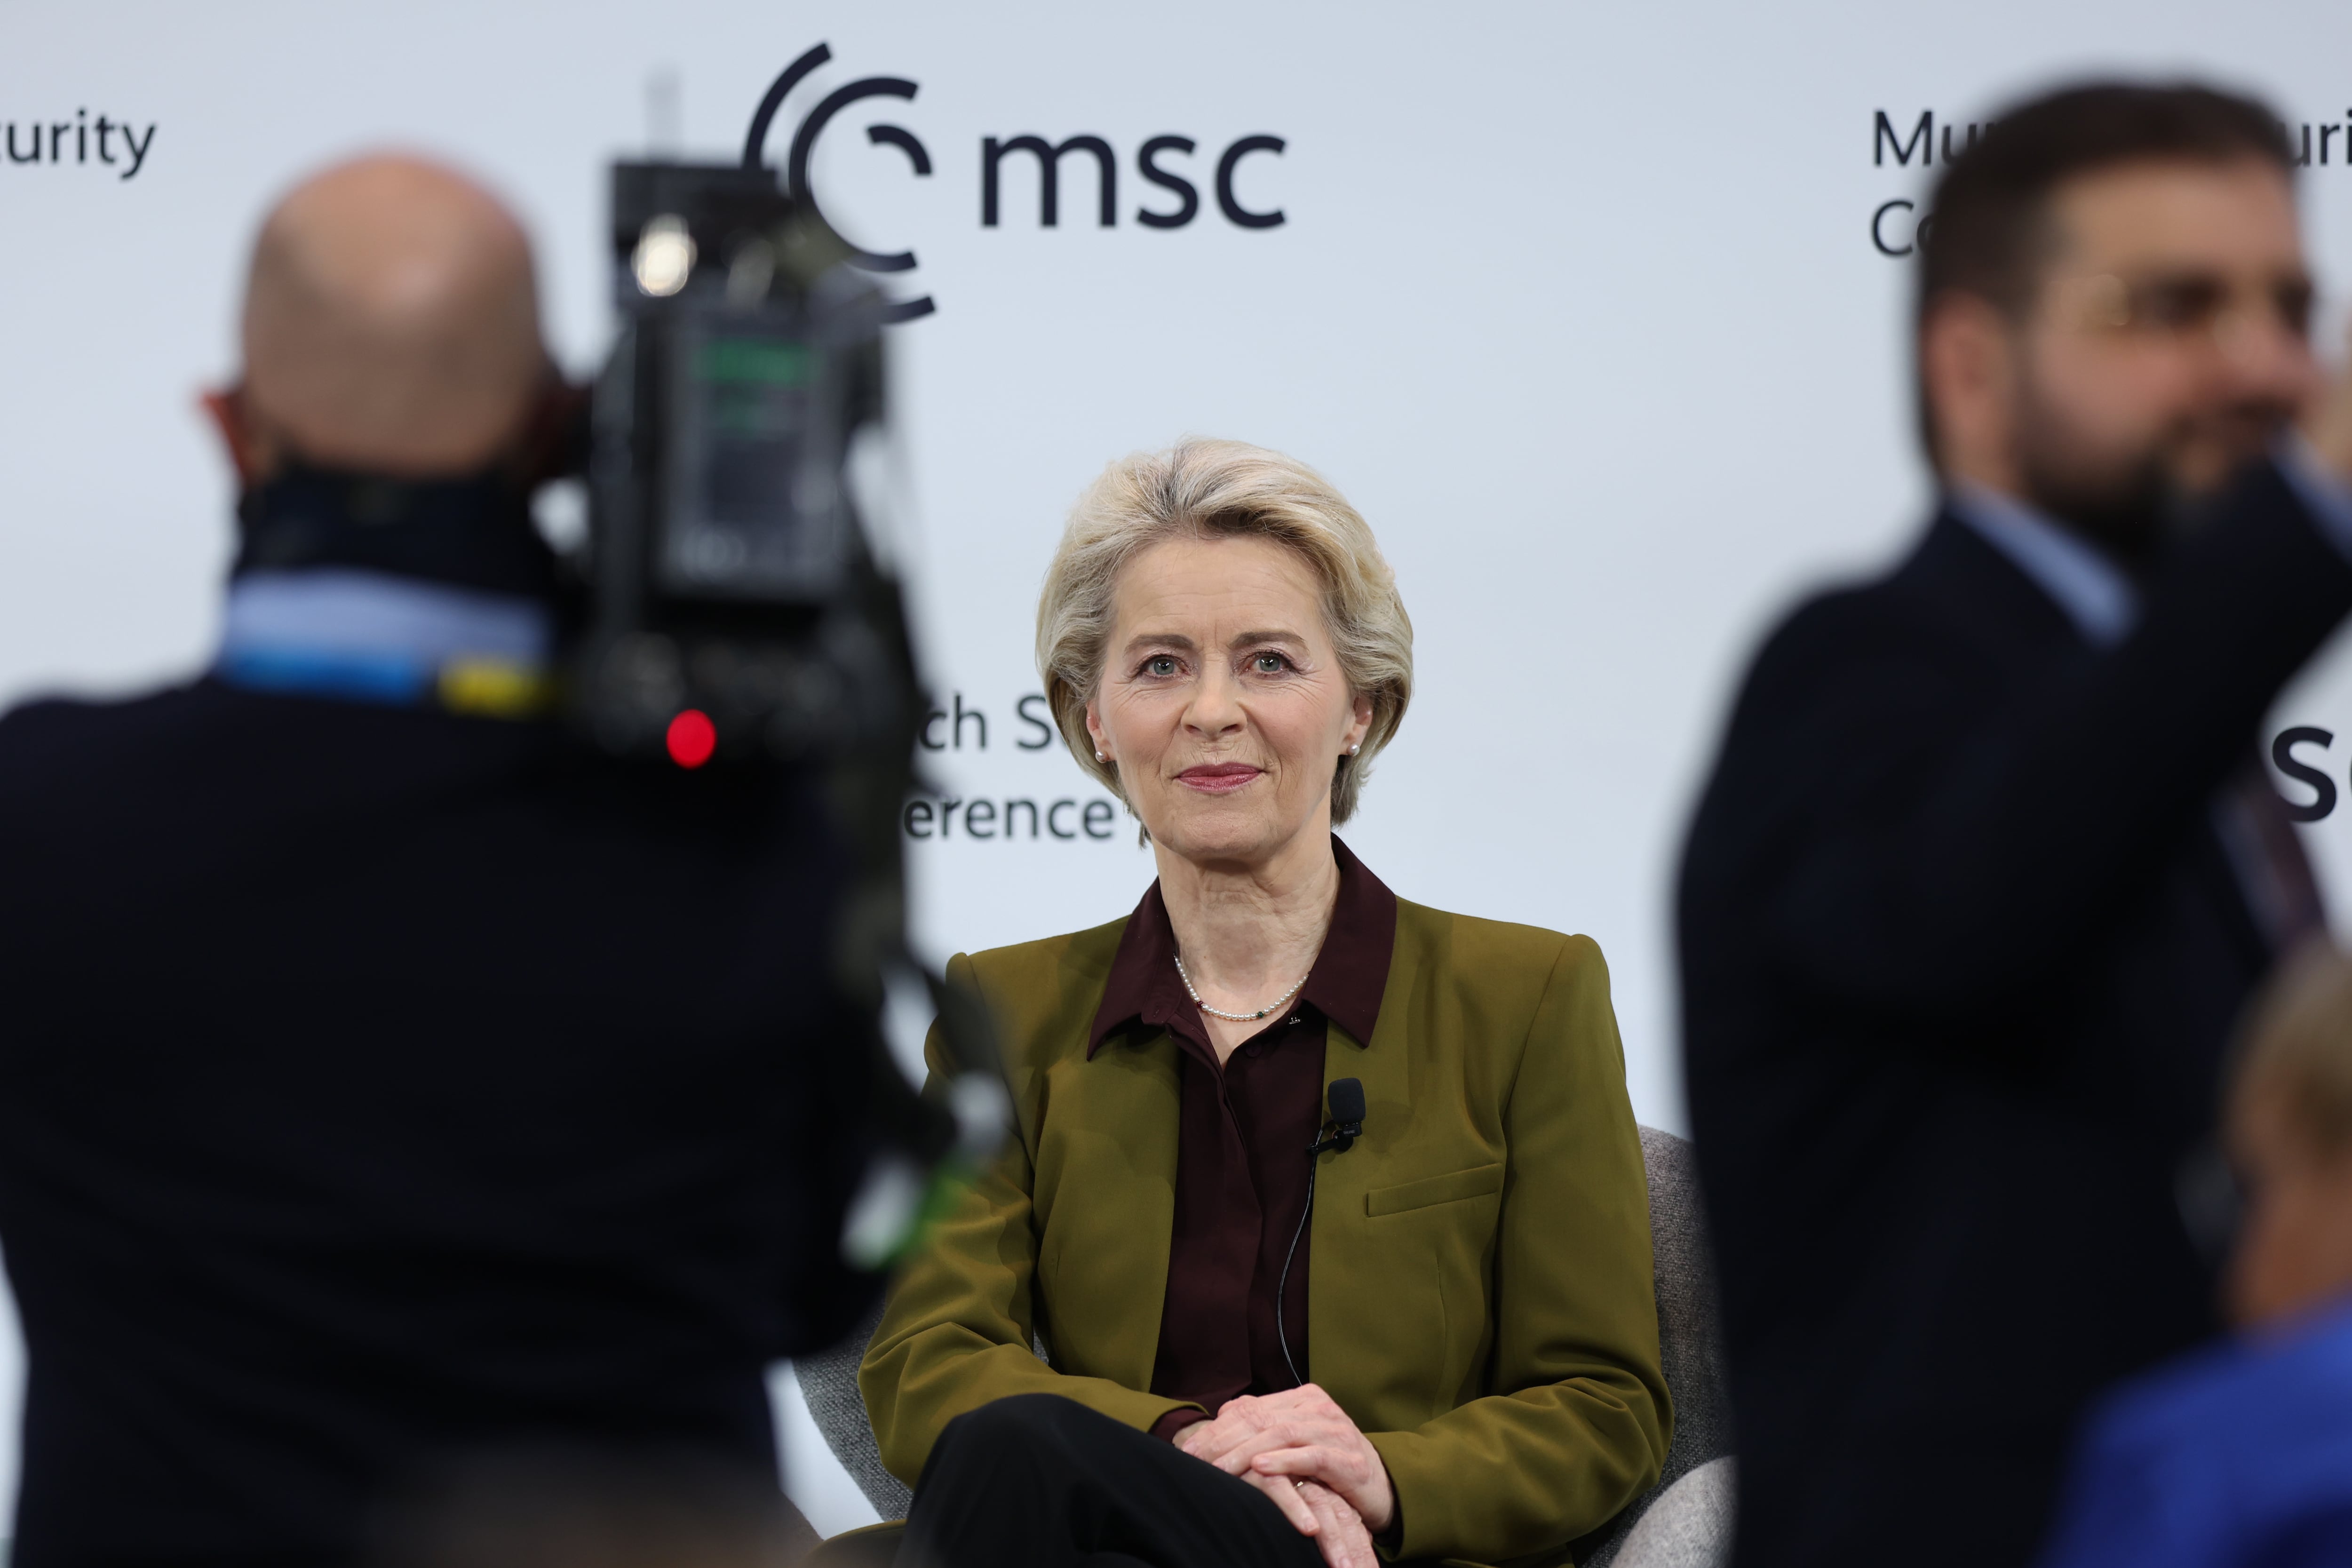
1450	1188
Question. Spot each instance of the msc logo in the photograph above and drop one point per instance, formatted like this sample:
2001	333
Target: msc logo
812	126
1047	155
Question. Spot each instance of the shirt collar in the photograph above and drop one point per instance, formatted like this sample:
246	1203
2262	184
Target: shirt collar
1345	985
352	632
348	610
2076	574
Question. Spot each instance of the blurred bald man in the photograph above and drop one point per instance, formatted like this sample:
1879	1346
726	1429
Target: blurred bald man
384	1078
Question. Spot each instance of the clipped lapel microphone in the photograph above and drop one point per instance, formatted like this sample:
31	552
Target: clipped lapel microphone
1347	1103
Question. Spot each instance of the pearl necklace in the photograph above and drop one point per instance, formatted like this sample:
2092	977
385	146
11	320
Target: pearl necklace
1221	1013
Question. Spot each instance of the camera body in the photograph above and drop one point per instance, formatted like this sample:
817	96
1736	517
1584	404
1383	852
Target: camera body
732	613
728	574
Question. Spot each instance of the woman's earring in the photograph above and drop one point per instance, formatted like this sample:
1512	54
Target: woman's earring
1354	749
1100	758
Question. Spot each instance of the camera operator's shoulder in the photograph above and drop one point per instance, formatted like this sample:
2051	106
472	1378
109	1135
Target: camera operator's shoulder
1043	995
68	745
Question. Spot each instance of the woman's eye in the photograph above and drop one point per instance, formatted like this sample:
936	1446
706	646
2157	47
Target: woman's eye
1160	663
1269	663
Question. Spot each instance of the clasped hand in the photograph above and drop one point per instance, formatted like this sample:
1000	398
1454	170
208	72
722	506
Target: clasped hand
1301	1449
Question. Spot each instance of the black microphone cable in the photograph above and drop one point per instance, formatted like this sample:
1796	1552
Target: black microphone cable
1346	1125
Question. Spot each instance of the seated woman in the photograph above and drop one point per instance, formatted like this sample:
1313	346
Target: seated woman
1437	1336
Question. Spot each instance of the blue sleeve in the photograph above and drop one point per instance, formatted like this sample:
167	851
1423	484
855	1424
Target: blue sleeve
2129	1505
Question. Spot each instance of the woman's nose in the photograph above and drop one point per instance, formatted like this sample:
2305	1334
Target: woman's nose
1215	708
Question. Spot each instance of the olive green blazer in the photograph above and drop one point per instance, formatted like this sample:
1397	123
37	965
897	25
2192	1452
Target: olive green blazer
1479	1296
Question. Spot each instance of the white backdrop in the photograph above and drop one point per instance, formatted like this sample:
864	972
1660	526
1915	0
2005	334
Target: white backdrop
1580	305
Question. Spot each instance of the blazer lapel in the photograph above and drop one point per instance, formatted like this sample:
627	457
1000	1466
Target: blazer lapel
1104	1265
1352	1300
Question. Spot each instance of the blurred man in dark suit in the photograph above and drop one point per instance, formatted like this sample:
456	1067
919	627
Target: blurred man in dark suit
1988	863
385	1078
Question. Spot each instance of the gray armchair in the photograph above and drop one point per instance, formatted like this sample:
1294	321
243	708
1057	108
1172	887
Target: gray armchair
1690	1349
829	1384
1693	1529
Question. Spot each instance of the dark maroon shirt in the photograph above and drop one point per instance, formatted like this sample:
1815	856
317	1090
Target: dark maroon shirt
1242	1139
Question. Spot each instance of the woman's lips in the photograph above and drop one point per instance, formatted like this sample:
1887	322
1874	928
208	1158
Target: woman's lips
1219	778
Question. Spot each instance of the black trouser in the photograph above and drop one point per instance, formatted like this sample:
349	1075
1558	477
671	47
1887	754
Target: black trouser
1040	1481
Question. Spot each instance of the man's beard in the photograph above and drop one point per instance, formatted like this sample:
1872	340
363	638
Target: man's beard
2133	513
2136	508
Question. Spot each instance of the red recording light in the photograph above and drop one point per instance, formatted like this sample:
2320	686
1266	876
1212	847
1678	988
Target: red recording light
692	738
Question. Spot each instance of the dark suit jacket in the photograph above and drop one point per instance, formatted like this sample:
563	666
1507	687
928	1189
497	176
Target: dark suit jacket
1961	952
377	1084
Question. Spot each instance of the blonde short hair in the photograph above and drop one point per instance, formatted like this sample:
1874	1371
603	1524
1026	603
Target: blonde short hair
1223	489
2298	1045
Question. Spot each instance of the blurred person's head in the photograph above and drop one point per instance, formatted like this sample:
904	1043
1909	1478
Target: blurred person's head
2113	305
391	326
2289	1128
1224	645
